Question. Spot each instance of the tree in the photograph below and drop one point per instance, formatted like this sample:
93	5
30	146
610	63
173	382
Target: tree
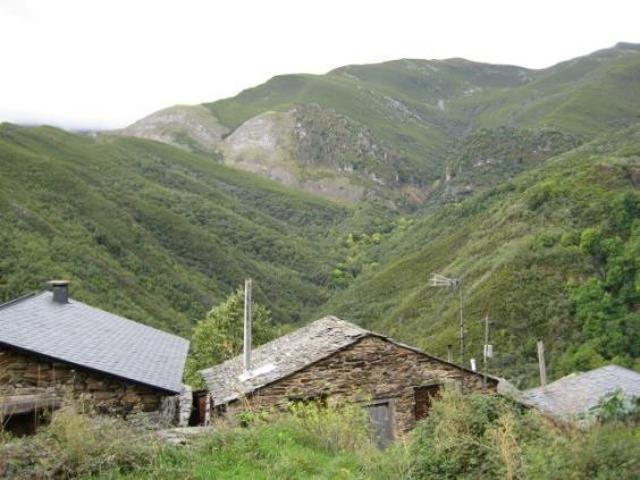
220	336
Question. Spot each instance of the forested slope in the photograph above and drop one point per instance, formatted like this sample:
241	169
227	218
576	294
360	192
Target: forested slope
153	232
553	253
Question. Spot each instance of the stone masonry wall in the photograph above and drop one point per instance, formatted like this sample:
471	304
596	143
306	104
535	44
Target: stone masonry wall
24	374
371	369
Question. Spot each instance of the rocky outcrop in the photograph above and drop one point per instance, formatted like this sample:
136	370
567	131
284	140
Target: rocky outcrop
191	127
316	150
269	145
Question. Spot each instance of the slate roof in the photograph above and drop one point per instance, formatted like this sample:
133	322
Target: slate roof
572	396
88	337
286	355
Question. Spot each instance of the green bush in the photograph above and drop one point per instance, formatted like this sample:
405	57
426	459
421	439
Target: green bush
487	437
471	436
605	452
75	445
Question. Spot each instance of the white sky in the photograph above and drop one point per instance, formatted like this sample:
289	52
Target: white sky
106	63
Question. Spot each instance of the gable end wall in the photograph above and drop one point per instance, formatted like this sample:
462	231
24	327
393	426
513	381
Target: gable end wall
370	369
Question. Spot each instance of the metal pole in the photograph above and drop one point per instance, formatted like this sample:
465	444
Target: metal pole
247	325
486	352
541	364
461	335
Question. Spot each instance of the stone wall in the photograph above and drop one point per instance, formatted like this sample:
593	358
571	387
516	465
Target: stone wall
370	369
24	374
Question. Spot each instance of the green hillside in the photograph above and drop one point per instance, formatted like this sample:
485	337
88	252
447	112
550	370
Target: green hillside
522	182
551	254
387	131
587	95
398	101
153	232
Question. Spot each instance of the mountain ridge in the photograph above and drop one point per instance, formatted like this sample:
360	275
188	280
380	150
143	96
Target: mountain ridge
528	193
412	107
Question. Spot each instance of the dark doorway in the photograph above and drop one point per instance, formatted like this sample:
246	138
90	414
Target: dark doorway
381	418
423	398
199	408
22	424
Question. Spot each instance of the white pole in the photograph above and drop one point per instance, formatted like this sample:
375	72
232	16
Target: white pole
485	352
247	325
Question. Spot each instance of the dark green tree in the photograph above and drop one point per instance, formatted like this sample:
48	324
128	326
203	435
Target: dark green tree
220	335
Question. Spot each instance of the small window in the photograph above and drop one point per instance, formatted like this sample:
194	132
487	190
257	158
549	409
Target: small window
423	398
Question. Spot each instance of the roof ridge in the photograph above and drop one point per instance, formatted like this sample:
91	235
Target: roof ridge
18	299
286	336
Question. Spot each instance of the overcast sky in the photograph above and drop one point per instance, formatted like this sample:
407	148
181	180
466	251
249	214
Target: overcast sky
104	64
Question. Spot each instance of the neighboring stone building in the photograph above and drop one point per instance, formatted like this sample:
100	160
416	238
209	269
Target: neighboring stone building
335	361
571	398
52	346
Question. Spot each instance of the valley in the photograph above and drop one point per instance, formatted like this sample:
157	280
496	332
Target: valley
342	193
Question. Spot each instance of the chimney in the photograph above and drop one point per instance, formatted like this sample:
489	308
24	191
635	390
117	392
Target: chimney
60	289
247	325
450	353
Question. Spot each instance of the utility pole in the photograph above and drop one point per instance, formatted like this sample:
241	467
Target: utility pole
247	326
486	352
459	285
438	280
541	364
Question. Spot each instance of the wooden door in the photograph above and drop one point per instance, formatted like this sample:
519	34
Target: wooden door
381	423
198	408
423	397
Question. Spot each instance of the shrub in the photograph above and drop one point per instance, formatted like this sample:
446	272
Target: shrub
333	429
487	437
75	445
472	436
605	452
617	407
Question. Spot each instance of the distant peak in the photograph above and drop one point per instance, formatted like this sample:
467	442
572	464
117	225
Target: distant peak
627	46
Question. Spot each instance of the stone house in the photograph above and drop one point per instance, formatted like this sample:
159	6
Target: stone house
572	398
52	347
334	361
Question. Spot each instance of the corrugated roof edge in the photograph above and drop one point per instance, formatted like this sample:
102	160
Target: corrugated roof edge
84	367
17	300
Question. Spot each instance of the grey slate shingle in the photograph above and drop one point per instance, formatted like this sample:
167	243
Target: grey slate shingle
286	355
79	334
573	395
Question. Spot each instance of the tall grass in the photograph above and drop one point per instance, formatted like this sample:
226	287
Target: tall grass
465	437
485	437
75	445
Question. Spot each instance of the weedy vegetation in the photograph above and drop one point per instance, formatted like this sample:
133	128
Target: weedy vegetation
471	436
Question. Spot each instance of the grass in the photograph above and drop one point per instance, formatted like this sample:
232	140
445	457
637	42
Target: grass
465	437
